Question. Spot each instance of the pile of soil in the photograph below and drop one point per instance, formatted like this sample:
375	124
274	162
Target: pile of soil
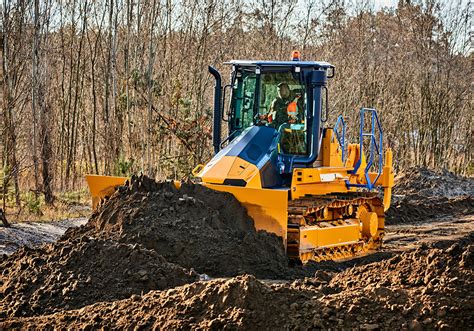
193	226
421	194
147	236
76	273
137	261
424	289
431	183
430	287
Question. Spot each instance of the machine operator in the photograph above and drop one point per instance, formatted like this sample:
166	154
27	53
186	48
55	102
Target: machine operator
285	108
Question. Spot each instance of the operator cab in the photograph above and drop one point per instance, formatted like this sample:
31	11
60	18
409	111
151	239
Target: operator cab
256	99
278	101
274	117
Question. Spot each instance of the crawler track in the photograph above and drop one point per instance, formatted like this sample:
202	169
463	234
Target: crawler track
325	213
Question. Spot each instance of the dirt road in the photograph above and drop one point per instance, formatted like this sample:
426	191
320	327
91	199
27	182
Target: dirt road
410	236
33	234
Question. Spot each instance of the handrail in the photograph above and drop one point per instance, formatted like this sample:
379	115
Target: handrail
375	148
229	137
223	103
341	139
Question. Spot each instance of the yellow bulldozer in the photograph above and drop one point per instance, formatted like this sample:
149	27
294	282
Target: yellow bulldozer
297	176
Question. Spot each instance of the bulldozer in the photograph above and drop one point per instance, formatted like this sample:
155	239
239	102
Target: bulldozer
296	175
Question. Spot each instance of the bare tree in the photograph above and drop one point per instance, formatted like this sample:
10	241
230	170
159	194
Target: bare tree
14	16
121	86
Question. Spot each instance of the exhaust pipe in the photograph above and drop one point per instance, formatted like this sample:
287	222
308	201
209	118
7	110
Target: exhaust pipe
216	127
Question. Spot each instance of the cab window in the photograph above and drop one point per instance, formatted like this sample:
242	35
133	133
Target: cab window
243	100
283	101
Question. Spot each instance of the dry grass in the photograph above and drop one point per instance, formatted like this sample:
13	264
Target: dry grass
66	205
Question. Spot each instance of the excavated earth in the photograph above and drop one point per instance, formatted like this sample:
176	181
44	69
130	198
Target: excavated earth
425	289
157	256
421	194
192	226
75	273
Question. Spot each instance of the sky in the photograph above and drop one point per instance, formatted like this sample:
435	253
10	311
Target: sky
379	4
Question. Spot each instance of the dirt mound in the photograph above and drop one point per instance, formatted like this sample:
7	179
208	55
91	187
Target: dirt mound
242	302
142	239
424	266
427	288
421	194
192	226
412	209
80	272
122	253
430	183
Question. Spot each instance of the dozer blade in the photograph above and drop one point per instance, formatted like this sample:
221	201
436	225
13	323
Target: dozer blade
102	187
268	208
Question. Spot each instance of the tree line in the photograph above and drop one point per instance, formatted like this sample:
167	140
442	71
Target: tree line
121	86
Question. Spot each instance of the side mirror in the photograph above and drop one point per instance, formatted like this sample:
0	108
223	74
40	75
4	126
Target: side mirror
223	111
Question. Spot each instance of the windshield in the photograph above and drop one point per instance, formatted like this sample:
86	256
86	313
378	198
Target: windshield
281	105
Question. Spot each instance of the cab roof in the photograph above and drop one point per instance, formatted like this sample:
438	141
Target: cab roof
257	63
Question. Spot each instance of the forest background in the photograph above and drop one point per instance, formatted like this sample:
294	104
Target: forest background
121	86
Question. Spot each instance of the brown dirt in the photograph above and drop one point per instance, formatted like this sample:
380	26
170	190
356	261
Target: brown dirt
193	226
421	194
426	288
134	244
429	287
76	273
431	183
140	246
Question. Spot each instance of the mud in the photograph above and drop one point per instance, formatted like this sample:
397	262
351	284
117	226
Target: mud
192	226
421	194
